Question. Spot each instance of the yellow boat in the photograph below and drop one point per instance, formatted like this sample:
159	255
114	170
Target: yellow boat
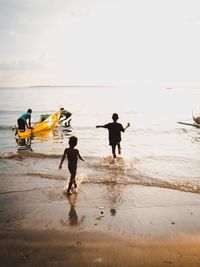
47	124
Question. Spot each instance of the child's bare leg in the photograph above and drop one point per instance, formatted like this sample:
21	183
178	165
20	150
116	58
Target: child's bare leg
69	187
119	149
72	180
113	151
74	176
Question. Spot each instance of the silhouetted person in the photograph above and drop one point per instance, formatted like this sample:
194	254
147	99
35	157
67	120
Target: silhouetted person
65	115
72	156
22	121
114	130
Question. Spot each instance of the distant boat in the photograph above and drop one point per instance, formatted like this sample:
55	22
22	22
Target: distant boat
189	124
47	124
196	119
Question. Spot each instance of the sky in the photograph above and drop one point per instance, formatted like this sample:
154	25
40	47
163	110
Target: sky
100	42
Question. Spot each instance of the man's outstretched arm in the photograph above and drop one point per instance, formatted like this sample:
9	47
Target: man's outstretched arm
99	126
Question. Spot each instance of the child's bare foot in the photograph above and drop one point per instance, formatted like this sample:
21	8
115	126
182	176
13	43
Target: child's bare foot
114	160
69	192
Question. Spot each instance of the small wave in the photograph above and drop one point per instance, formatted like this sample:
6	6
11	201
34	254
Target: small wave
121	172
20	191
47	175
7	127
180	186
124	181
8	155
185	187
26	154
118	163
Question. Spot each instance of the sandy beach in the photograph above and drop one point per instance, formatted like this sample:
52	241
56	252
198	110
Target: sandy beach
52	248
151	227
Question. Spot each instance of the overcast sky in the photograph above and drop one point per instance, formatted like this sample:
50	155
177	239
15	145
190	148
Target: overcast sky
100	42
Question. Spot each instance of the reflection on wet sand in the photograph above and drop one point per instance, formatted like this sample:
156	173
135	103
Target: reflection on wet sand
115	197
73	219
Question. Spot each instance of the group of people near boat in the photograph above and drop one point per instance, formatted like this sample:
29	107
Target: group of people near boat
24	121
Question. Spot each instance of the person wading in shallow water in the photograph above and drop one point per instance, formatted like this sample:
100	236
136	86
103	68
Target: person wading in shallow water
114	133
22	121
64	116
72	156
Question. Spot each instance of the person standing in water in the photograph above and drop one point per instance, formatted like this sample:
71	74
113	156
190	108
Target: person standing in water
22	121
64	116
72	156
114	132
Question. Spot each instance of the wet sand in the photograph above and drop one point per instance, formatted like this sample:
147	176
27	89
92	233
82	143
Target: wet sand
101	225
52	248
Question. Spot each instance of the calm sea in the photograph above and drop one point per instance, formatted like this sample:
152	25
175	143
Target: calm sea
156	150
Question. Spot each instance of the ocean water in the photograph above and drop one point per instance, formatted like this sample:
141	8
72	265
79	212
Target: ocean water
156	150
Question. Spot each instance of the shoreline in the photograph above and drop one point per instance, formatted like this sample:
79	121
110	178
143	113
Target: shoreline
125	210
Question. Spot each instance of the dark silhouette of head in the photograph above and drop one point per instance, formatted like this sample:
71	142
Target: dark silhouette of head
115	117
73	140
29	110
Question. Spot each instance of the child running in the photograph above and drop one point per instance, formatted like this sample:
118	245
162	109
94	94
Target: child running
72	156
114	129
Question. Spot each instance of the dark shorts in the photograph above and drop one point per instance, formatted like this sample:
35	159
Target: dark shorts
114	142
67	115
21	124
